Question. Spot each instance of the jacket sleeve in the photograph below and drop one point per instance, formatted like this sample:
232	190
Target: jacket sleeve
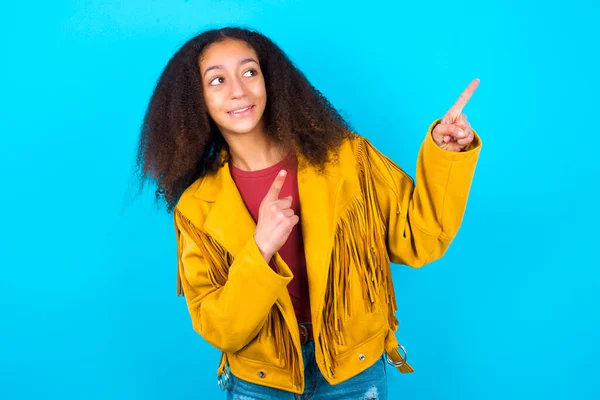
228	306
423	219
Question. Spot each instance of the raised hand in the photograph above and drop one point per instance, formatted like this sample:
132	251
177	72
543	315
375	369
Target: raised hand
275	219
454	133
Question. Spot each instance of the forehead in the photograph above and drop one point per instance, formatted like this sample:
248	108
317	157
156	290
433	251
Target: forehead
226	52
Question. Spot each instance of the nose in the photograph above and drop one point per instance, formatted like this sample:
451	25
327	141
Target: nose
237	88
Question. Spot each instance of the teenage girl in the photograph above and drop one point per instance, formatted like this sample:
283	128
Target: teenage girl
287	221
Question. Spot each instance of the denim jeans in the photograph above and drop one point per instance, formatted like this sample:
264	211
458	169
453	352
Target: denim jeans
370	384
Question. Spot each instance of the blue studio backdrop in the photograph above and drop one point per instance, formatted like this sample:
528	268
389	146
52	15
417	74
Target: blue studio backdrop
87	285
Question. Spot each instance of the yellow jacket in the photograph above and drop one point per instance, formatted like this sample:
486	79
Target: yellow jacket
358	214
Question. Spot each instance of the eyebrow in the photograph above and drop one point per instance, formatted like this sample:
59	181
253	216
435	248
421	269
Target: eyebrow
244	61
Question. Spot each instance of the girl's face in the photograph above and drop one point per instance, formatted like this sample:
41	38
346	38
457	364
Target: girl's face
233	87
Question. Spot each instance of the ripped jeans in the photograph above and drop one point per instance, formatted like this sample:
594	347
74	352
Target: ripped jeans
370	384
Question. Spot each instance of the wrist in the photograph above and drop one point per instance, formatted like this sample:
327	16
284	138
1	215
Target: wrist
267	255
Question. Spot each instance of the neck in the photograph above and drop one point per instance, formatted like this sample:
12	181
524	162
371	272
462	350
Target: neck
253	151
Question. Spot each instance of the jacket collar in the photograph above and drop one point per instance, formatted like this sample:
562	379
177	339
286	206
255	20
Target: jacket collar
323	194
229	222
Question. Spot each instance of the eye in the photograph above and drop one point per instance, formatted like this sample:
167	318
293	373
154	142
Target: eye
251	72
216	81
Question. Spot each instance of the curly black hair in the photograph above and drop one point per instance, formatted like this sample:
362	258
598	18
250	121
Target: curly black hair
180	142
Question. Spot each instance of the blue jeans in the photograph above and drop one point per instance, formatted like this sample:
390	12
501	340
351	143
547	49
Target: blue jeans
370	384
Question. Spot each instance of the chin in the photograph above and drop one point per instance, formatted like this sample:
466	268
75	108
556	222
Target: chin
241	129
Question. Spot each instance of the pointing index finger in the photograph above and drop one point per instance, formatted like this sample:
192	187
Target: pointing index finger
273	193
464	97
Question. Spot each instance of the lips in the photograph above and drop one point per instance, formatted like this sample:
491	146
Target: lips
241	110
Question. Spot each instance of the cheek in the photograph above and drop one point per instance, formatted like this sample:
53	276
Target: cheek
259	91
213	103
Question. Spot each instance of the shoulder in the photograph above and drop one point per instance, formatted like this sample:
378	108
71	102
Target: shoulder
358	150
355	147
195	201
190	193
350	150
358	155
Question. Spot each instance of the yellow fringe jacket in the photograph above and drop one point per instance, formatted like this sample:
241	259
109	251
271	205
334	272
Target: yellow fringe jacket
358	215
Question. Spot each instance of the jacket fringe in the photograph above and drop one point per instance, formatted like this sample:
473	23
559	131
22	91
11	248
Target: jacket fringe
285	350
219	260
359	242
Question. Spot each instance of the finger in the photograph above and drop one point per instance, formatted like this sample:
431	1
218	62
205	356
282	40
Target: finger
451	131
466	128
462	123
464	97
288	212
291	223
273	193
466	140
294	219
284	203
460	119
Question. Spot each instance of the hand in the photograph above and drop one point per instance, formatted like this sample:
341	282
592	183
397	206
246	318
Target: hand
454	133
275	219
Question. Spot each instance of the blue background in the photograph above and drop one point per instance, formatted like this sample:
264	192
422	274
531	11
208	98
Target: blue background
87	289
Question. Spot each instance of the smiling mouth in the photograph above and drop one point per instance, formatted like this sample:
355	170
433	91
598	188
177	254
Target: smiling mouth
240	110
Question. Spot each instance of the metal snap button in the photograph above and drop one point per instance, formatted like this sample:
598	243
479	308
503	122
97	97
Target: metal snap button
361	357
261	374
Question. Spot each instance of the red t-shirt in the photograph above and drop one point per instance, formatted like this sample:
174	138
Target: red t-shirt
253	187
